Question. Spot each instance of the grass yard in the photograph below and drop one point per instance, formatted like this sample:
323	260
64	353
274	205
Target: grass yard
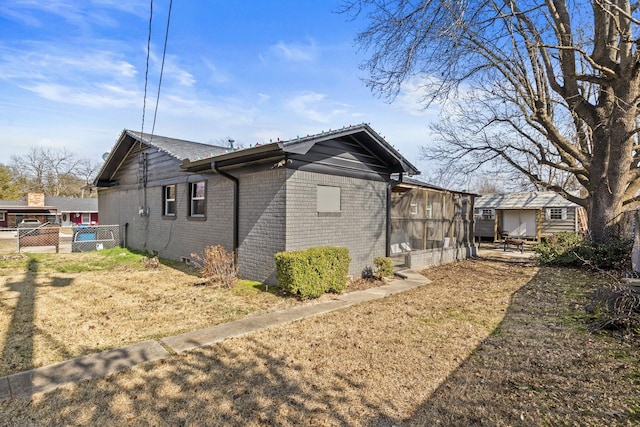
54	307
489	342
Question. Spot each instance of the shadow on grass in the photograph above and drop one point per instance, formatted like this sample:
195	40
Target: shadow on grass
539	367
17	352
18	345
536	368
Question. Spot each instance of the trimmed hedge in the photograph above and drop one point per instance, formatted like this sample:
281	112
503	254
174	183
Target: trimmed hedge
312	272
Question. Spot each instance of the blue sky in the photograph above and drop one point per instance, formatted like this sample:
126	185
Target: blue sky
72	75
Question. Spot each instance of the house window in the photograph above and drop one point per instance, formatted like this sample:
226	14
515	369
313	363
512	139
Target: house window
169	204
487	213
557	213
197	199
2	216
413	210
328	199
86	218
429	211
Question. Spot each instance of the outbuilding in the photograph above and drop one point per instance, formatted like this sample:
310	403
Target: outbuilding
526	215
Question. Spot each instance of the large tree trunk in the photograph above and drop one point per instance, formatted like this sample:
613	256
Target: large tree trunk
610	173
604	214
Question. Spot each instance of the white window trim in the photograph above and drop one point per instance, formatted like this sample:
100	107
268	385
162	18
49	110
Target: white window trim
193	198
3	216
167	200
563	214
487	214
86	216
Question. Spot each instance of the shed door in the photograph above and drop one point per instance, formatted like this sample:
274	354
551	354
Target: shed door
520	223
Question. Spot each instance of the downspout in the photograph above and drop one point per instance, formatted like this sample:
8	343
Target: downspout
392	183
236	208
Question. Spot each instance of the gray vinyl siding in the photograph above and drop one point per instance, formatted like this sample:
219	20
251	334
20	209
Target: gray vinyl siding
552	226
485	228
172	238
341	156
160	167
360	225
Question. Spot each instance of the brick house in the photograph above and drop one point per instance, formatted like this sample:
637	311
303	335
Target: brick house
66	211
174	197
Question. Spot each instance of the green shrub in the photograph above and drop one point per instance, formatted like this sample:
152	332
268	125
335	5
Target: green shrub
384	266
570	250
312	272
559	249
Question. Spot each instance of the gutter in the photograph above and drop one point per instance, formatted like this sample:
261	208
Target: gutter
392	183
236	208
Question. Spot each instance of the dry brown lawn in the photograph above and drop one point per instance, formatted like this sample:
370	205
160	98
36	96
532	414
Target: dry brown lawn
47	316
487	343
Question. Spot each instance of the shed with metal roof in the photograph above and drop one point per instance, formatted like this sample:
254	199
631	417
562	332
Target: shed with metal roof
526	215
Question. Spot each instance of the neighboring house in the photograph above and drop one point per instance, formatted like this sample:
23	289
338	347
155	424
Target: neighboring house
67	211
75	211
12	212
528	215
430	225
174	197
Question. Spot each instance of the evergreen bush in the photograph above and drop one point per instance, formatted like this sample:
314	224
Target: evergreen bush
312	272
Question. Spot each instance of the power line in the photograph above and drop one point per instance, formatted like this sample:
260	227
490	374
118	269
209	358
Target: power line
146	72
146	75
164	53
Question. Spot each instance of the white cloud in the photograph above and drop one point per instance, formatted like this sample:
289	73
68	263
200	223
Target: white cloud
183	77
216	74
415	95
95	97
80	13
315	106
43	61
262	98
293	52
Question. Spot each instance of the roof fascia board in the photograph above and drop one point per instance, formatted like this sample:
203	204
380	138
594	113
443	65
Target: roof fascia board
236	157
111	158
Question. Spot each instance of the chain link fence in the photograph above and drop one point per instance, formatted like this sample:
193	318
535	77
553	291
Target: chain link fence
53	237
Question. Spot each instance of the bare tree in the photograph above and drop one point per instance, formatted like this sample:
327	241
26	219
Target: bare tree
550	84
53	172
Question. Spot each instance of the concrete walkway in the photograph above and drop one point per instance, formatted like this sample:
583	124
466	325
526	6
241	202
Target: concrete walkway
40	380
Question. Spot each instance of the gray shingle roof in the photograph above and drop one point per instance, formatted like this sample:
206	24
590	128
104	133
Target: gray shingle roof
526	200
13	203
72	204
179	148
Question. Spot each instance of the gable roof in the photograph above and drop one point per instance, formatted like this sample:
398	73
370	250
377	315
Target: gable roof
524	200
198	157
179	149
362	134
